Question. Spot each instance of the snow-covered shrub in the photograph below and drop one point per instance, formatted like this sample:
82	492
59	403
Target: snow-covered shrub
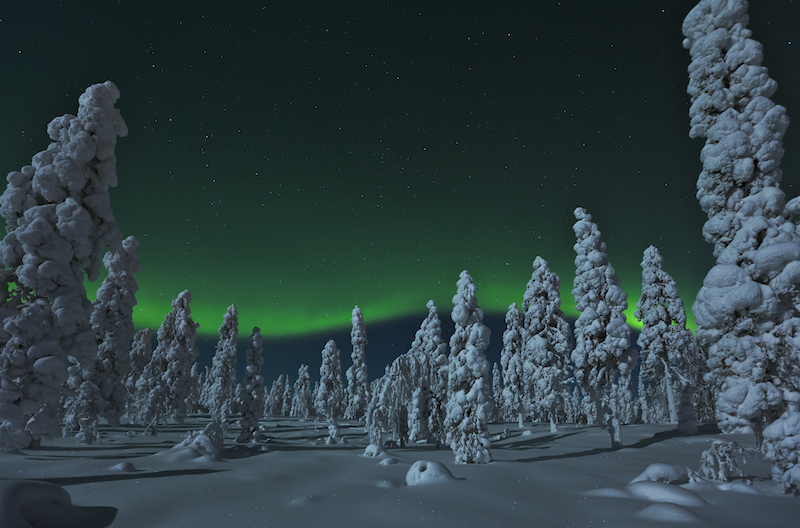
425	472
719	461
373	450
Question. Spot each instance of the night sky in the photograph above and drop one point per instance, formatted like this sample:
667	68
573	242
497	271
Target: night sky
298	158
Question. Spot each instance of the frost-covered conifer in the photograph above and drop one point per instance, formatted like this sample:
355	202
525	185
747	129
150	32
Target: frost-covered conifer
747	310
149	400
497	393
668	354
250	404
602	336
512	364
59	224
140	355
286	405
179	354
273	405
547	342
31	375
301	401
432	350
328	402
396	396
222	380
469	406
112	321
357	382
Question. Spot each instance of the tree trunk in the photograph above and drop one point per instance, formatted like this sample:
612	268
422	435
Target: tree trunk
669	389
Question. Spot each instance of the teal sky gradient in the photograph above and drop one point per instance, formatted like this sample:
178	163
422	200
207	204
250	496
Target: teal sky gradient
298	158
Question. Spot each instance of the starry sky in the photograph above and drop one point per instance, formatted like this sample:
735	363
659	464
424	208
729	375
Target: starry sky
298	158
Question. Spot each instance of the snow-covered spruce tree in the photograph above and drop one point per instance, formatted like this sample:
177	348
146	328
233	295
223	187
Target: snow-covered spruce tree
250	401
357	382
112	321
469	405
747	310
273	403
547	342
58	225
222	382
150	398
329	397
512	366
431	350
179	354
497	393
140	355
301	400
286	406
668	353
602	336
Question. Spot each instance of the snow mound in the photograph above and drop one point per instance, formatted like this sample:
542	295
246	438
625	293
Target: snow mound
667	512
390	461
738	487
33	504
373	450
123	467
425	472
202	446
666	473
660	492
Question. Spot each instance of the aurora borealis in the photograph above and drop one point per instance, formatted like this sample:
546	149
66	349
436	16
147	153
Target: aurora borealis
298	158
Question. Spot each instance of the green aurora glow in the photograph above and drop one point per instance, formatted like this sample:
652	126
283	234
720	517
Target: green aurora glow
299	158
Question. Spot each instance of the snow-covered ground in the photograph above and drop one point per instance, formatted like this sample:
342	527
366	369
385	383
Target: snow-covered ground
537	478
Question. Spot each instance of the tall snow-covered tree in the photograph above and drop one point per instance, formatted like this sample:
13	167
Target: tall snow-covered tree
180	354
165	383
222	381
273	403
112	321
512	365
668	353
59	224
330	395
547	342
140	355
469	406
250	401
431	350
602	336
357	382
302	403
747	311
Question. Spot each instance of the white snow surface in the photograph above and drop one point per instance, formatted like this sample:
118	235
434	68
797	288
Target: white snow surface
568	478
